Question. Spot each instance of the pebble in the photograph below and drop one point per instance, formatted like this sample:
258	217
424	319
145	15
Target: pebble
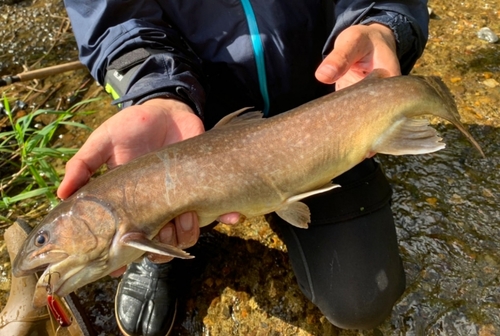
4	283
456	199
491	83
487	34
21	104
432	201
487	74
487	330
488	193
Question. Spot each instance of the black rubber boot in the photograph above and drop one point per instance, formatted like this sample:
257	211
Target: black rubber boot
146	299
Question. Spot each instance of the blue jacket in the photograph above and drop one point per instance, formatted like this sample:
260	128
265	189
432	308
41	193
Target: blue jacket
222	55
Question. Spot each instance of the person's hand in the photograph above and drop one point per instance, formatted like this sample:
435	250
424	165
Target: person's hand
132	132
357	51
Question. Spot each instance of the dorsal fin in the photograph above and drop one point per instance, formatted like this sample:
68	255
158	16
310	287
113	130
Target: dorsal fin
239	116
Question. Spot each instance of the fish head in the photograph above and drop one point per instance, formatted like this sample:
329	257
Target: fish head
71	244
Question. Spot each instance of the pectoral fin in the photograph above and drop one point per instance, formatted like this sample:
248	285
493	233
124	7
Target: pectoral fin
409	136
140	242
297	213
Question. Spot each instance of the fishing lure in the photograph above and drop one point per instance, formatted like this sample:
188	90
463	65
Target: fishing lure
57	308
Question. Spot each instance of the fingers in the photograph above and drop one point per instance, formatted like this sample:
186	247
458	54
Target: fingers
357	51
346	52
168	236
230	218
171	236
75	178
183	232
187	229
118	272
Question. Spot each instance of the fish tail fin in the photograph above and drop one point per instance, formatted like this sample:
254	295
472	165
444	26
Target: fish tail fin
452	115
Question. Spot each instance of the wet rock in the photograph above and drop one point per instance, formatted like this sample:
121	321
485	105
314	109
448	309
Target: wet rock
491	83
487	34
456	199
488	330
21	105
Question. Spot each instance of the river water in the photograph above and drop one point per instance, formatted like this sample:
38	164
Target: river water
445	204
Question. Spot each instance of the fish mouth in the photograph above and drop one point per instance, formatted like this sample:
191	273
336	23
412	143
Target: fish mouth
21	267
18	272
64	277
24	266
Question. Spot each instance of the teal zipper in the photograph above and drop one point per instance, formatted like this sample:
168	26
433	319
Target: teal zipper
258	51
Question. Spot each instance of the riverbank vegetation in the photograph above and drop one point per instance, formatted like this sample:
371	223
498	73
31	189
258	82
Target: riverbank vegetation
31	157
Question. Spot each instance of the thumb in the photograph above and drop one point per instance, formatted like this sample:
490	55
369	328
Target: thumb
345	53
77	174
80	167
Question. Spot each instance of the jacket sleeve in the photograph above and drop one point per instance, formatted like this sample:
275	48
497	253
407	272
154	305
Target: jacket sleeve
131	40
408	19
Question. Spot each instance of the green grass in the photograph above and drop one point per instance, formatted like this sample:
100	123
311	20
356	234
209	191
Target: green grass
30	157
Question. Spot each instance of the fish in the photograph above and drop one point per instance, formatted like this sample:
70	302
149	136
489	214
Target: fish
245	164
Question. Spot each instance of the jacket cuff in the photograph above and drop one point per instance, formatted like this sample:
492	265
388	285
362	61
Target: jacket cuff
406	39
143	74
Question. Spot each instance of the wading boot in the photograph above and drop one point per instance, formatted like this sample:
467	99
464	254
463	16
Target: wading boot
18	317
146	299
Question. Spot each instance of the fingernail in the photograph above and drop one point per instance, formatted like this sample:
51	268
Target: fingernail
187	222
167	235
230	218
327	71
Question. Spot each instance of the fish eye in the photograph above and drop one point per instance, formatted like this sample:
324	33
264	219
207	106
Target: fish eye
41	238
